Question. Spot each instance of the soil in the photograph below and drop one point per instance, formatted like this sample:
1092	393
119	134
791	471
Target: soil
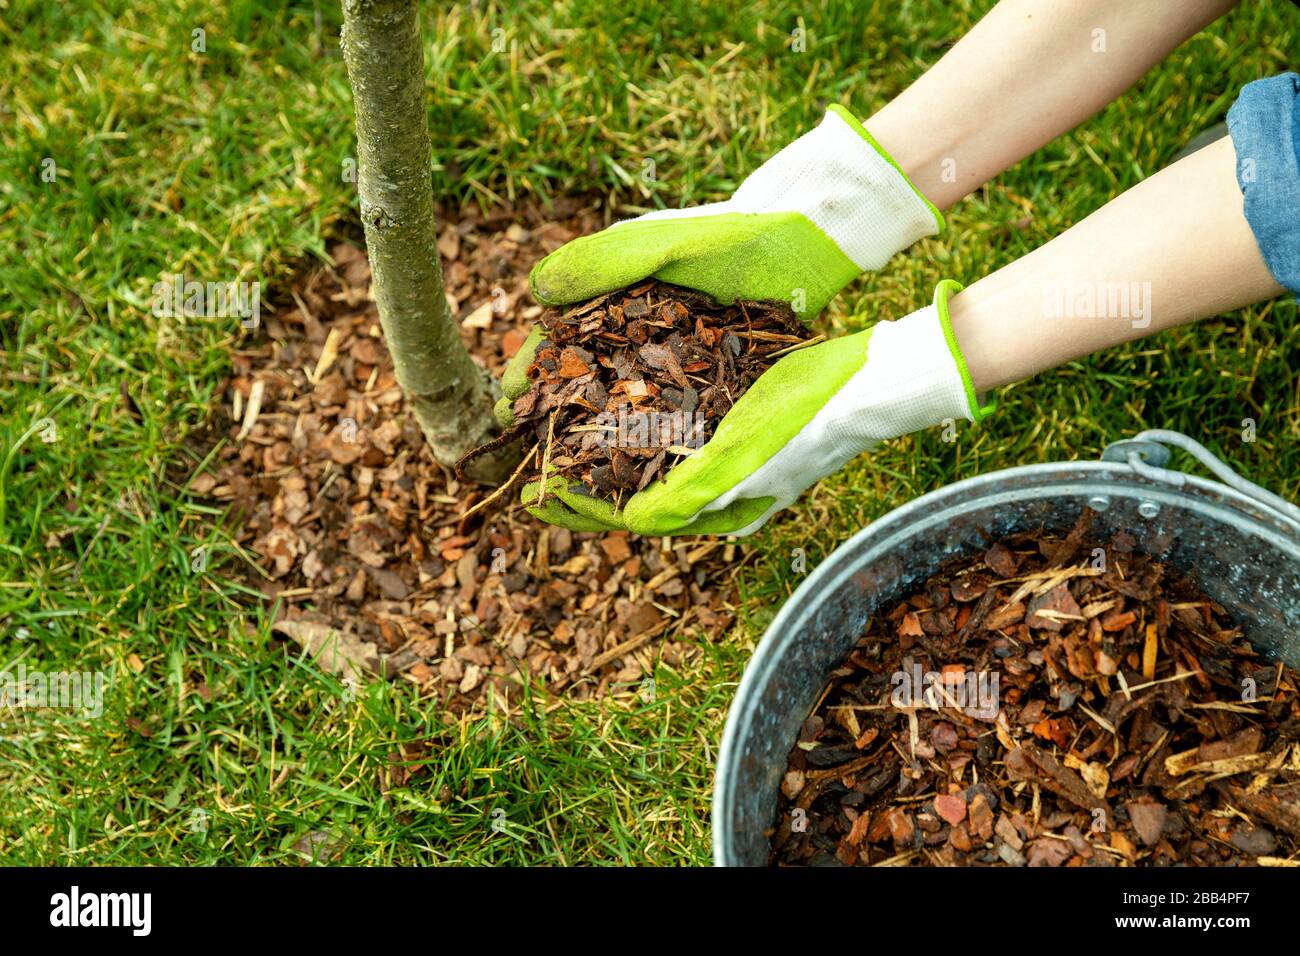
627	385
1131	724
352	529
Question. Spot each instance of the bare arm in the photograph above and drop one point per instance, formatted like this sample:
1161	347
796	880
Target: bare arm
1173	249
1026	73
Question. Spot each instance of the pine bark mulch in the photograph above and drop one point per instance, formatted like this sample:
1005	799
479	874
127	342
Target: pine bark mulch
1132	724
360	535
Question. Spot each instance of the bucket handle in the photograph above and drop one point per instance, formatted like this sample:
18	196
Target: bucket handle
1147	453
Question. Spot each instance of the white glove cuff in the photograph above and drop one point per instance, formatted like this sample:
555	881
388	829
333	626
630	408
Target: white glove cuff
840	178
914	377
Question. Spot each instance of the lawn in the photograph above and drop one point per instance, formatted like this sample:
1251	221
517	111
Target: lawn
132	146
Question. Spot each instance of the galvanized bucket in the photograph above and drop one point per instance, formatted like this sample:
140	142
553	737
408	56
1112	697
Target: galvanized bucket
1237	541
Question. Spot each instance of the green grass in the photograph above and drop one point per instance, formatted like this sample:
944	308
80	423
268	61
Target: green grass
215	745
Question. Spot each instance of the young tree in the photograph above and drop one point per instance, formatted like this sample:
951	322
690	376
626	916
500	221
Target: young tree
451	396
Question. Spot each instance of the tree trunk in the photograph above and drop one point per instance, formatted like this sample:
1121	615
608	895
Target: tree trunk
451	396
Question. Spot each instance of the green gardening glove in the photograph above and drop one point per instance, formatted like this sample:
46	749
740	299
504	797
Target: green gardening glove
824	209
807	416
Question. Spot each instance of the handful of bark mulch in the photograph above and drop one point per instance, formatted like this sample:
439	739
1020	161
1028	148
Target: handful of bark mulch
626	385
1048	703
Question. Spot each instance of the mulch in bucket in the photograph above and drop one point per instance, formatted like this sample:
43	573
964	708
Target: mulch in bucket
1051	702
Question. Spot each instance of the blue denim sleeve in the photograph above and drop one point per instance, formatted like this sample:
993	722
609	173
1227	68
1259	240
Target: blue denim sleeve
1265	128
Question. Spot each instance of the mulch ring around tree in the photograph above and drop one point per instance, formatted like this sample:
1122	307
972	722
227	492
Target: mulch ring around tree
361	537
1051	702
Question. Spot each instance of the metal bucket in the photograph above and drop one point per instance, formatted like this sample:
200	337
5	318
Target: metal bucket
1238	542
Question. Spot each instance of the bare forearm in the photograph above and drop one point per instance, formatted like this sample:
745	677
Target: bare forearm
1026	73
1171	250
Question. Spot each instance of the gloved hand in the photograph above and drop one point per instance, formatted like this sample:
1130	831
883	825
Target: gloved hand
825	208
807	416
